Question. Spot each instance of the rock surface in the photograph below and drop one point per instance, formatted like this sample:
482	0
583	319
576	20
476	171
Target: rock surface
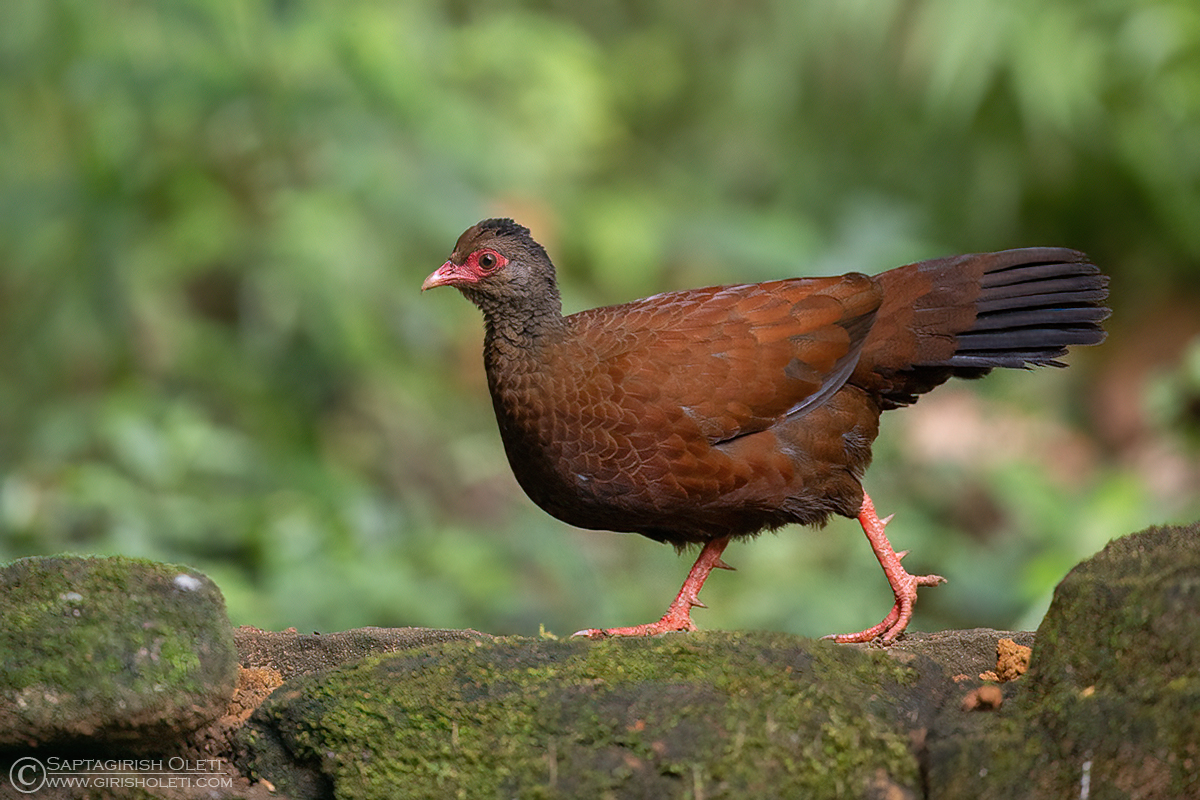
114	651
705	714
290	653
1111	704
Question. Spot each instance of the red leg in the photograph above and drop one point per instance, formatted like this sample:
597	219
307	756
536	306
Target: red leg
904	586
679	613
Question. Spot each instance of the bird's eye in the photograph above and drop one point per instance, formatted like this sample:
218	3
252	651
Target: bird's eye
487	260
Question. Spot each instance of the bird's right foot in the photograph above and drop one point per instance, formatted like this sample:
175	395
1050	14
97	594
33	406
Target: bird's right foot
679	614
677	618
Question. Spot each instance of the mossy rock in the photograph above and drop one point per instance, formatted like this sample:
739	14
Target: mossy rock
701	715
1127	620
1111	705
111	650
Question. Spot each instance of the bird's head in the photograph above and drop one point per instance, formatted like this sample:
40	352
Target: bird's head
497	263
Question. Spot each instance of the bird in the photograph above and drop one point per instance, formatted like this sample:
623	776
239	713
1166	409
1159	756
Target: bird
702	416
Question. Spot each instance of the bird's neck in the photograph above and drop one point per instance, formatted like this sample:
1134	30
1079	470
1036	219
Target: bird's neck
520	345
518	331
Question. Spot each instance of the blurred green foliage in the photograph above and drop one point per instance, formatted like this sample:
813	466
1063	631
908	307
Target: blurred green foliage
215	217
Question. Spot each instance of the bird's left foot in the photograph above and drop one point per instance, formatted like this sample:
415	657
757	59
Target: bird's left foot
900	615
904	585
679	614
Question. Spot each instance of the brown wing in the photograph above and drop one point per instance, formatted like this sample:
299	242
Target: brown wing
733	359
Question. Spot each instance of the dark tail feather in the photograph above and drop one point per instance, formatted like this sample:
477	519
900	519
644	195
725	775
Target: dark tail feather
1029	313
966	315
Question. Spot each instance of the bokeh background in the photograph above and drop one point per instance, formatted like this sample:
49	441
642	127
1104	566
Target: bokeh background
215	216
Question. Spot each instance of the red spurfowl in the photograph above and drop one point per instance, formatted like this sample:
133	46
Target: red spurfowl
704	415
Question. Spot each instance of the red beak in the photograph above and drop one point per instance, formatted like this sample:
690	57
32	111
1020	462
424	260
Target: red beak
450	274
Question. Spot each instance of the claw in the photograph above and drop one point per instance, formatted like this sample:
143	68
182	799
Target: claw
904	586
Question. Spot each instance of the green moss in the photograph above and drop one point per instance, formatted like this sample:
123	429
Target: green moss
711	713
92	644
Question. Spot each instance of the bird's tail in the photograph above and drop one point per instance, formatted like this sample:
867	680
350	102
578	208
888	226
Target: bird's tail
965	315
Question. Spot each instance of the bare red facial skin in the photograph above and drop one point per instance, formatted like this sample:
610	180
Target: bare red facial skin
478	266
485	261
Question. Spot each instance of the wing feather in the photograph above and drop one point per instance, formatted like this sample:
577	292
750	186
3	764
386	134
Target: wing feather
732	360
